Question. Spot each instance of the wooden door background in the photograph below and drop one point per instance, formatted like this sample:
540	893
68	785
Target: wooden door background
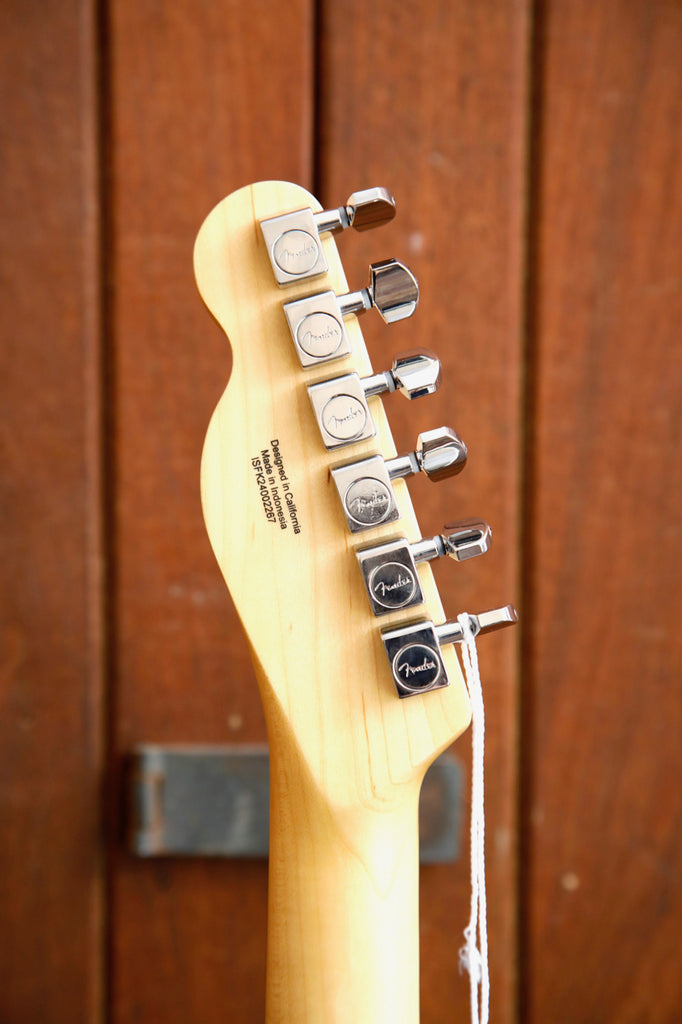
535	152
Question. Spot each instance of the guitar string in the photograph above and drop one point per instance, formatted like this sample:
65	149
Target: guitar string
473	958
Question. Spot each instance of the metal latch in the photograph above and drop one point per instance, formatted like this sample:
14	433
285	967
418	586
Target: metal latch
202	801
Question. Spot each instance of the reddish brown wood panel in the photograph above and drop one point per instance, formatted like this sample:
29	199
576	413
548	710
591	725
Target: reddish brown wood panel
430	100
50	554
604	899
205	98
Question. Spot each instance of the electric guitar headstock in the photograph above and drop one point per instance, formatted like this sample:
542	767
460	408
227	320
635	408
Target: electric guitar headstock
308	510
295	482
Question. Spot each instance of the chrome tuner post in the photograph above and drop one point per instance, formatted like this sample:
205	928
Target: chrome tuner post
340	404
389	570
293	239
414	651
364	487
316	322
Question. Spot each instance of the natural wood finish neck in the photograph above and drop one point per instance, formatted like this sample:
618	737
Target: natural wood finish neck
343	928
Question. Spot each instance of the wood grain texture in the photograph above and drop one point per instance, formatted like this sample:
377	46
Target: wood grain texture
430	100
51	856
604	900
347	754
204	98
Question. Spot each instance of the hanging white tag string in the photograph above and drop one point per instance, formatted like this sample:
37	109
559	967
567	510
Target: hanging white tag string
473	957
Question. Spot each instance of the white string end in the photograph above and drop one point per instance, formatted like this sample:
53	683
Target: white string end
472	957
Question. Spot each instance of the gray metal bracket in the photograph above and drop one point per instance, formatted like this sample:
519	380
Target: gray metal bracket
203	801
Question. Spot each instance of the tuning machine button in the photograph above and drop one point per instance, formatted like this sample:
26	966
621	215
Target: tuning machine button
316	321
340	404
389	570
293	239
365	489
414	651
440	453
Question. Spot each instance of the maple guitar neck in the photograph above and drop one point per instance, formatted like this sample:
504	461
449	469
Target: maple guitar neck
347	755
343	925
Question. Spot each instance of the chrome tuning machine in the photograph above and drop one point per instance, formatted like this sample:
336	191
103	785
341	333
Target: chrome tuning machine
293	239
365	488
389	570
316	321
414	651
340	404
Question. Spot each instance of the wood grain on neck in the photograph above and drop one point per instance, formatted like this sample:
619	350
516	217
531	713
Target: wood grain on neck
347	755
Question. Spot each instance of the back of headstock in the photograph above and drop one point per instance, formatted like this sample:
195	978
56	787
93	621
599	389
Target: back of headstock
301	497
298	591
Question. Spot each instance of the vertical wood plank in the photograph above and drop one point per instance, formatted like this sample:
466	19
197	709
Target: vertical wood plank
206	97
605	715
51	865
429	99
